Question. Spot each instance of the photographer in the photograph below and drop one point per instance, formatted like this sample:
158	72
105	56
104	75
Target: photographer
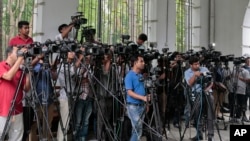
220	91
105	101
237	95
194	77
247	67
10	74
23	39
64	31
140	41
84	102
136	96
176	96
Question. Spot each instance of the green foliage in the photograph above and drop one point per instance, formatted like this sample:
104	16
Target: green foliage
180	25
114	18
12	13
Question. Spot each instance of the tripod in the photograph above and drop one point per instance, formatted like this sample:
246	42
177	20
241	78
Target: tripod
117	76
179	92
237	109
154	121
197	110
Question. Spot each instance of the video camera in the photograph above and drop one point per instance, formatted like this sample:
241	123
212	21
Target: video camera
151	55
189	53
32	49
78	20
96	50
227	58
205	79
238	60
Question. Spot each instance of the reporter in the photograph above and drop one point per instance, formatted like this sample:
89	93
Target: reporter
64	31
193	77
136	96
10	74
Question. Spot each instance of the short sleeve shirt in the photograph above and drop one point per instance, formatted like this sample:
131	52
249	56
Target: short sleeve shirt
189	73
20	41
8	89
132	82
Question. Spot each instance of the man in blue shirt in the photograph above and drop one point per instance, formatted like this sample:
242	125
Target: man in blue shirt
195	77
136	96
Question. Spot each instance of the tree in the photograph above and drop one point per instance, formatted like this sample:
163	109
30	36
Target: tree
12	12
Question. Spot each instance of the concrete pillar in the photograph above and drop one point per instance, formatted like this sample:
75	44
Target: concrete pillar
49	14
160	23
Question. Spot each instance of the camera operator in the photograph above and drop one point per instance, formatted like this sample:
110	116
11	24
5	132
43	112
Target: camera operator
140	41
136	96
192	76
10	74
220	91
238	91
64	31
177	93
84	103
247	67
104	112
23	39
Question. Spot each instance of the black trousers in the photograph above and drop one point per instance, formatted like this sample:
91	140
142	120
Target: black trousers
28	116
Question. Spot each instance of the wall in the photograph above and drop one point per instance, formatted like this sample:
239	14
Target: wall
49	14
229	15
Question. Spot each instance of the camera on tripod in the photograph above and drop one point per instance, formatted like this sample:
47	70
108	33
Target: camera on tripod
238	60
96	50
205	79
227	58
33	50
51	46
78	20
88	31
151	55
209	55
69	46
189	53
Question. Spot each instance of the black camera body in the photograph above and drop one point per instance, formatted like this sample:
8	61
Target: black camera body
238	60
227	58
205	79
78	20
96	50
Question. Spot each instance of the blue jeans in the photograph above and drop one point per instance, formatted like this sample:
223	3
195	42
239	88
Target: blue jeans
136	115
83	111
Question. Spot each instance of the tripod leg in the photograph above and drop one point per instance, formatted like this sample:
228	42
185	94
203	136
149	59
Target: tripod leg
210	102
194	113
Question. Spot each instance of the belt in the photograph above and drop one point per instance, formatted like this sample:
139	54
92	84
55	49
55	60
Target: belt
135	104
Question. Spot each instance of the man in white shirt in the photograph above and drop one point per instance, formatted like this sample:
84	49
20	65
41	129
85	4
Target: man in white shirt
64	31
